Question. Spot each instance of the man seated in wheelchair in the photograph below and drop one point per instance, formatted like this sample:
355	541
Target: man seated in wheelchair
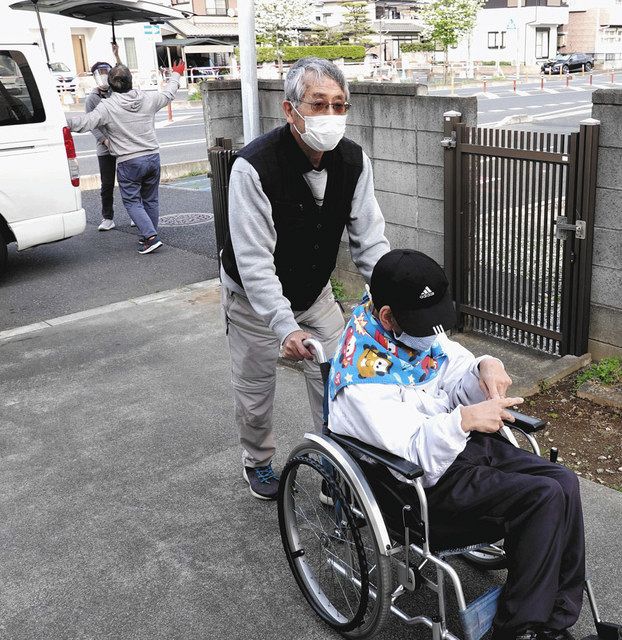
400	384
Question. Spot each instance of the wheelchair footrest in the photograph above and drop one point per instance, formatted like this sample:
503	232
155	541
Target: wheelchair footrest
478	616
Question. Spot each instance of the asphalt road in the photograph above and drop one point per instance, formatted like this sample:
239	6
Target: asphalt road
180	141
557	108
98	268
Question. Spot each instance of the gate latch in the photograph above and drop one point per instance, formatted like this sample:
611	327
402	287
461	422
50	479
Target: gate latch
449	142
562	228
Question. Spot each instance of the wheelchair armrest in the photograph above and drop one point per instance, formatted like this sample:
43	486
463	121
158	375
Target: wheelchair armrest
409	470
526	423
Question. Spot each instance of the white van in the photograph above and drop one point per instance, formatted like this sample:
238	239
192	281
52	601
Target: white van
40	197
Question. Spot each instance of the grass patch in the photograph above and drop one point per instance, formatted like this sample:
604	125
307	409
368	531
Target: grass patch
607	371
338	289
195	97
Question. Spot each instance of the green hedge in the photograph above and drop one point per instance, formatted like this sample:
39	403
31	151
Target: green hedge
413	47
291	54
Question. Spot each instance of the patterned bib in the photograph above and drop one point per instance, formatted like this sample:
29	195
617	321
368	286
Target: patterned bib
367	353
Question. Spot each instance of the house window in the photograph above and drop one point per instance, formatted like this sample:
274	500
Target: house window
216	7
496	39
542	43
130	53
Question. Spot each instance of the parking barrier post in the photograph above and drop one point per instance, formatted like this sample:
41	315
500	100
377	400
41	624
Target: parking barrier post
567	79
591	77
485	87
542	82
514	83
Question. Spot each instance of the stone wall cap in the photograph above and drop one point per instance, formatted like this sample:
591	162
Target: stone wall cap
607	96
219	85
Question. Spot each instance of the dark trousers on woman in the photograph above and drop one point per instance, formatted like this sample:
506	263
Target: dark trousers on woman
107	172
538	504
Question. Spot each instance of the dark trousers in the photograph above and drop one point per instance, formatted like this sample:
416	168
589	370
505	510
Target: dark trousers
139	179
539	505
107	166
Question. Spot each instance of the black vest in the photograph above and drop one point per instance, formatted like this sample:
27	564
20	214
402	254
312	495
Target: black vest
307	235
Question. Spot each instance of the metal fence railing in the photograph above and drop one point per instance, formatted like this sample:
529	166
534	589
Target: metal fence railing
520	212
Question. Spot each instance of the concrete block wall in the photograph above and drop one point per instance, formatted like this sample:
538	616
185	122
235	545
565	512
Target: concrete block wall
606	298
400	129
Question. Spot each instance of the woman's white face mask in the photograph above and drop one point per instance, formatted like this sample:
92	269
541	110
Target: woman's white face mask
322	133
416	343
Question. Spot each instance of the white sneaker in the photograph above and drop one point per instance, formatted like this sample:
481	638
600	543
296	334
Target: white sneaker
106	225
132	223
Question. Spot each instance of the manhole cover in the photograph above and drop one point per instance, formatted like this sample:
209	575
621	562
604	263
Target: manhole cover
185	219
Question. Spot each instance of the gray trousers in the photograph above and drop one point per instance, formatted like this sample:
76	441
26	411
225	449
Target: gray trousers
254	350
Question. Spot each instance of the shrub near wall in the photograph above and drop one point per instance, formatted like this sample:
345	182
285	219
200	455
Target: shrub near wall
291	54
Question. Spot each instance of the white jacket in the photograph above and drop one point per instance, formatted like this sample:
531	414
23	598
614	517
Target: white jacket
420	423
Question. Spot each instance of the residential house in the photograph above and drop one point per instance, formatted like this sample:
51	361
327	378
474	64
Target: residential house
79	43
595	27
524	31
207	39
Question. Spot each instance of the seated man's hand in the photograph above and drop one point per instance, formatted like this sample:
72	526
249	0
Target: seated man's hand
493	379
488	416
293	349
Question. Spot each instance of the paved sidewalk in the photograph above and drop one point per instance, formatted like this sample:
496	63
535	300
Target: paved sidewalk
122	510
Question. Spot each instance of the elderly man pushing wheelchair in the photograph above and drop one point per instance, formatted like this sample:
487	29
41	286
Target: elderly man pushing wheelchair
400	384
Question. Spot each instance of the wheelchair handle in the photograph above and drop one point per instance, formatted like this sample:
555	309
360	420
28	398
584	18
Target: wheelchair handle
316	349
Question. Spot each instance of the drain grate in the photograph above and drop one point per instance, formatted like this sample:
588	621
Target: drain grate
185	219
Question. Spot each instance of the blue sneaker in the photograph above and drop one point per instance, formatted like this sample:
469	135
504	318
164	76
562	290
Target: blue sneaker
263	482
149	245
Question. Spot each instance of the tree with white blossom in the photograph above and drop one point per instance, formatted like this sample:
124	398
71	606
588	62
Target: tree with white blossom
447	21
277	23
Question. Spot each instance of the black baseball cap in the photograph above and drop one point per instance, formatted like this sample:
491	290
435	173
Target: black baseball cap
417	290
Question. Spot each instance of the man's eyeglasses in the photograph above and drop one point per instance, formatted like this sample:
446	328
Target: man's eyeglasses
319	106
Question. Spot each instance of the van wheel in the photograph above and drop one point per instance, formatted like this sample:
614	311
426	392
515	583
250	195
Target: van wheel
3	255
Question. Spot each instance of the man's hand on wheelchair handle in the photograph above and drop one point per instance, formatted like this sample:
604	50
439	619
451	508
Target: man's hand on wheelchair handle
293	349
493	379
488	416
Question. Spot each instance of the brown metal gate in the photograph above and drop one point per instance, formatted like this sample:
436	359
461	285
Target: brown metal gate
519	209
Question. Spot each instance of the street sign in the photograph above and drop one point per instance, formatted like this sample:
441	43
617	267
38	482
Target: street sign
151	29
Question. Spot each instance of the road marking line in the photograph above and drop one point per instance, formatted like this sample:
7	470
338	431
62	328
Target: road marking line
519	92
167	123
487	94
574	112
164	145
550	90
107	308
576	88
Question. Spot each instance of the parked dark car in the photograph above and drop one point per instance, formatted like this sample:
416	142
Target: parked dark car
569	62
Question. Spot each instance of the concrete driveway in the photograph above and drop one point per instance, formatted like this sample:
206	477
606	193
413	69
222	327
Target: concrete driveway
122	510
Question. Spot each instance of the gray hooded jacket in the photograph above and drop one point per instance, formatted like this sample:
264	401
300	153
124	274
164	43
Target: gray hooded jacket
129	119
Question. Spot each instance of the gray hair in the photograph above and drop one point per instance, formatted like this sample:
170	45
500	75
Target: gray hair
296	80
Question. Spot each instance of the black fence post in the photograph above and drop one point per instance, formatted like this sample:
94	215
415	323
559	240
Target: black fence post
452	191
220	160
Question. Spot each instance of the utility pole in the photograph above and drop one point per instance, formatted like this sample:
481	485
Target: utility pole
518	38
248	70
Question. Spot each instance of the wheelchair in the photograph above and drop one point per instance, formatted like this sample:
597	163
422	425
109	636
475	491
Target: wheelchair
357	540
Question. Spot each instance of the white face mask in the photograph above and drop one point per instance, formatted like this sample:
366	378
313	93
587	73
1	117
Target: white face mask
322	133
416	343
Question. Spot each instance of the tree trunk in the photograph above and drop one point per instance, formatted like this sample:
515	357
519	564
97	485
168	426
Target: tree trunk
446	65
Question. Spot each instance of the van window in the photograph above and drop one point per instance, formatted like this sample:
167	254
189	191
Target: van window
20	101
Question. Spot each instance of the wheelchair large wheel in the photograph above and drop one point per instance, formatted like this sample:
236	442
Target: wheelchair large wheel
488	557
331	549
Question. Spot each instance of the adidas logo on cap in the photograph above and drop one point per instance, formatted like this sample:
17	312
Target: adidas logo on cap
426	293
